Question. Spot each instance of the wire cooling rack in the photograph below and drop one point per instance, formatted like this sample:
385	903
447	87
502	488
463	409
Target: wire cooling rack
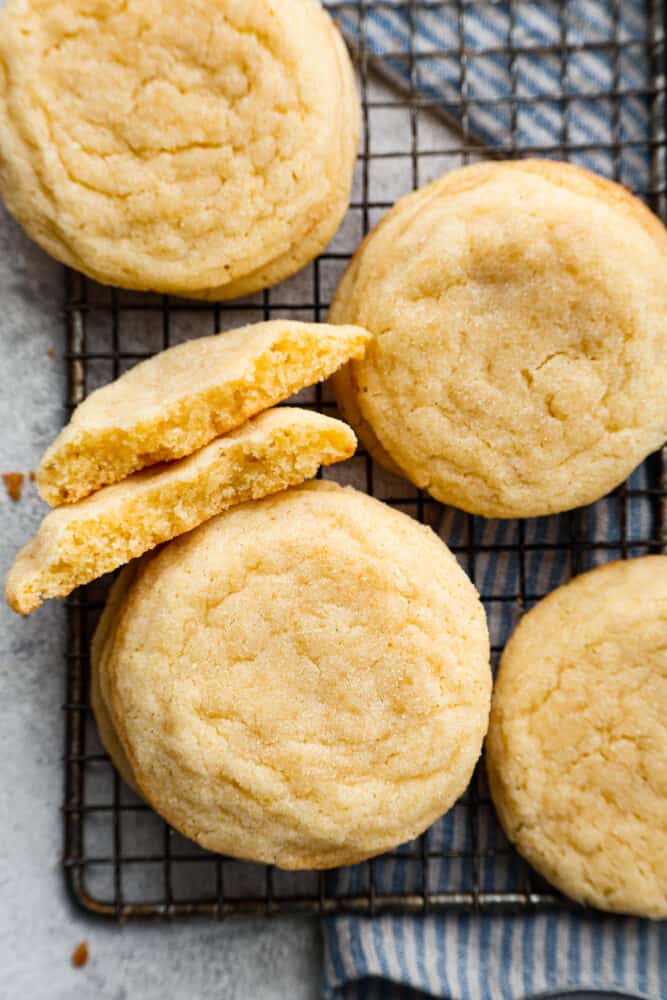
432	99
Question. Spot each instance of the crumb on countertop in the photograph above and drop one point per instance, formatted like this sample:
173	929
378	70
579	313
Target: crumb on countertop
51	352
13	484
80	955
32	476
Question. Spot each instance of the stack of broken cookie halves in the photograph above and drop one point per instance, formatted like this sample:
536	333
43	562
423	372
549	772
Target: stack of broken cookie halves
177	439
294	672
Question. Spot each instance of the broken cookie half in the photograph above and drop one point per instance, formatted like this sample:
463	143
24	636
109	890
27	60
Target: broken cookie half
79	542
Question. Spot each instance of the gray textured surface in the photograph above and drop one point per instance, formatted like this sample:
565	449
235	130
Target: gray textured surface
38	926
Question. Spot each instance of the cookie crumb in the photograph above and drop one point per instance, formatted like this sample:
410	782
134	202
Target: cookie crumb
32	476
51	352
13	484
80	955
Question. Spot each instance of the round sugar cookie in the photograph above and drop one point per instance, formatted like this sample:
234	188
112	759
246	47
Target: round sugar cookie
201	148
302	681
520	320
577	746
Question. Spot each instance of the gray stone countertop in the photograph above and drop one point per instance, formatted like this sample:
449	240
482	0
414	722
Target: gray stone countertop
39	927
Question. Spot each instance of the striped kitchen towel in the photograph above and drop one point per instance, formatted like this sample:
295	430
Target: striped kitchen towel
583	50
505	957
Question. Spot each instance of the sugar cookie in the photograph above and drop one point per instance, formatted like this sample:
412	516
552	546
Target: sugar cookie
303	680
196	147
577	746
77	543
179	400
520	320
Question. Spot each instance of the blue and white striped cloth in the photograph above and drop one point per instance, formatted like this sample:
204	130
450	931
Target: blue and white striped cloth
536	81
503	957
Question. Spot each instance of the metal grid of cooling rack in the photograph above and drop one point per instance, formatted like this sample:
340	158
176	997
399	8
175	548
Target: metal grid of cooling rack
120	859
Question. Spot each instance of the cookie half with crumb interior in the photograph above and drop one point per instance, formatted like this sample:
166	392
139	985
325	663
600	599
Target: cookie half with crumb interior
77	543
179	400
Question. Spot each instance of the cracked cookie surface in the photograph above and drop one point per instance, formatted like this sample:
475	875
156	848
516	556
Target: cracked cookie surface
202	148
520	320
288	684
577	746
